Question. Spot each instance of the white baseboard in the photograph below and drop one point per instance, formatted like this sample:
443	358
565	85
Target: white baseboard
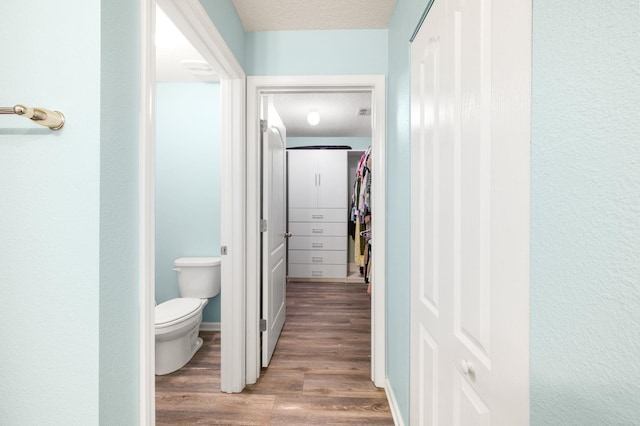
209	326
393	404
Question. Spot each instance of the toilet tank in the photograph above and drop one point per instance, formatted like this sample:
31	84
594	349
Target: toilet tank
198	276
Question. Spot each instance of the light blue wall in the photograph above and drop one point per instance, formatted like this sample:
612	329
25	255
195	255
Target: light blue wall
316	52
585	248
62	193
119	200
299	52
224	16
354	142
401	26
187	181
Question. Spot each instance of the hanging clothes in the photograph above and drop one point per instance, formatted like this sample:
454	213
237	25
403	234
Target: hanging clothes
361	195
361	214
359	245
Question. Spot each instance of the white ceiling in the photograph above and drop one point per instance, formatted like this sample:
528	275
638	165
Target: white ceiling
338	114
338	111
172	49
291	15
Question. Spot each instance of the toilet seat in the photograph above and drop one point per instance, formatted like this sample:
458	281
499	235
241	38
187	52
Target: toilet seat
174	310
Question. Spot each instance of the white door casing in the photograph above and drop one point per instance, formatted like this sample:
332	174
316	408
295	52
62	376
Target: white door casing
470	94
274	248
257	86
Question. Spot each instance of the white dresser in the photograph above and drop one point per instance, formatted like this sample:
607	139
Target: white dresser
318	204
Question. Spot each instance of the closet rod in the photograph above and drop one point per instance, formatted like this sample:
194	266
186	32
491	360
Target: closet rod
42	116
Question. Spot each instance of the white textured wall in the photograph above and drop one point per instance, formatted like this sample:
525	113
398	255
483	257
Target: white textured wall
585	288
69	215
49	215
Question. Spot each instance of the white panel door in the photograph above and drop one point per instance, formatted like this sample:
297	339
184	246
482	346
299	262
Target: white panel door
431	315
303	179
332	179
273	242
318	179
471	72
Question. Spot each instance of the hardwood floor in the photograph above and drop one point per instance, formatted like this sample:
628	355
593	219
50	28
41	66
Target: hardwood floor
319	373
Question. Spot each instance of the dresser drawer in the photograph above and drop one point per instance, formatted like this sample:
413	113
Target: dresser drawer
318	215
317	271
297	242
323	229
315	257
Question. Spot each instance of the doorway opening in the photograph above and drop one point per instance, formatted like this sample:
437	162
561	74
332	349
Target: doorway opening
257	88
239	199
193	22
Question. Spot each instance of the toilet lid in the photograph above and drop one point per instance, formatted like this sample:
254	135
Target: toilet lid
174	309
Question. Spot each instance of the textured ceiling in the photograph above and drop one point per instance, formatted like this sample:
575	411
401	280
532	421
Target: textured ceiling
289	15
338	114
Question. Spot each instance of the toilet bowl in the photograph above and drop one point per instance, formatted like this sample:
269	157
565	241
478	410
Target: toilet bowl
177	321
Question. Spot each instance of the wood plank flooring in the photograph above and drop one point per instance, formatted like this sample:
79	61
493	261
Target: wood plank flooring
319	373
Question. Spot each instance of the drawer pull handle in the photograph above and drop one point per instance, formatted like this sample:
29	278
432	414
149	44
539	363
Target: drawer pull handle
317	216
316	273
317	259
317	245
317	231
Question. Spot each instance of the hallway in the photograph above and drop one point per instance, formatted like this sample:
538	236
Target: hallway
319	373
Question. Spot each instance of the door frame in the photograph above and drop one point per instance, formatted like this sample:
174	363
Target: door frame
256	86
193	21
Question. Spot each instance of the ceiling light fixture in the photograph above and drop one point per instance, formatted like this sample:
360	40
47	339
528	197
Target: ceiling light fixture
313	118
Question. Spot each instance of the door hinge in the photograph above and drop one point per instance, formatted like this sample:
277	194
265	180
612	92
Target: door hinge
223	250
263	125
263	325
263	225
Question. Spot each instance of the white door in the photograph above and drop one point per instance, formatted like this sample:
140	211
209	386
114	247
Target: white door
470	112
303	180
332	179
274	251
318	179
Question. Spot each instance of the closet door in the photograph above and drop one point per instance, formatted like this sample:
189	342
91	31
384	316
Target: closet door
303	178
332	179
318	213
470	152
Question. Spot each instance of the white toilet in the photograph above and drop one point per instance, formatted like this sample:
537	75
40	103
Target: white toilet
177	321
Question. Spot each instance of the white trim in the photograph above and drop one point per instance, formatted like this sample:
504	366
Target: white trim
146	178
273	84
379	232
209	326
393	404
233	235
252	308
194	23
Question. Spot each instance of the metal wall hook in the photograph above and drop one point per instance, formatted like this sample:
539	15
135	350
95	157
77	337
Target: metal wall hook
42	116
